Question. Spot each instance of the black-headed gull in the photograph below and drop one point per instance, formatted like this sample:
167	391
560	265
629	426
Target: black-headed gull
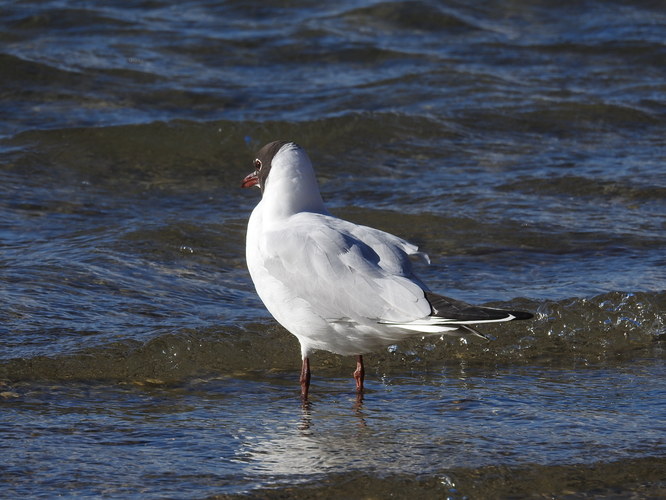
336	285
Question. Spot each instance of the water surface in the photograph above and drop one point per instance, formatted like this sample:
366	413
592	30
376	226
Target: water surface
520	144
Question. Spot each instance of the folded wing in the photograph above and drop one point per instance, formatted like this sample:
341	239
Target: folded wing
344	271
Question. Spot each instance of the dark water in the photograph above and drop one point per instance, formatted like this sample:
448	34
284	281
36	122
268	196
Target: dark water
521	144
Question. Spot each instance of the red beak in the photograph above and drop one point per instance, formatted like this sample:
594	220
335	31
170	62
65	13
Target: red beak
250	180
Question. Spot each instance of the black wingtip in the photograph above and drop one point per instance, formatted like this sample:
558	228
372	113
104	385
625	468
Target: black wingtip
461	311
521	314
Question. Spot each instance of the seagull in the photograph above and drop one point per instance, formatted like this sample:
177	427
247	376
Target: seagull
339	286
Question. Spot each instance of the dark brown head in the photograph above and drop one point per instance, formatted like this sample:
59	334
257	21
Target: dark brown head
262	165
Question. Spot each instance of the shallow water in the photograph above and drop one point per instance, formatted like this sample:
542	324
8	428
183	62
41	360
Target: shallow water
519	144
231	434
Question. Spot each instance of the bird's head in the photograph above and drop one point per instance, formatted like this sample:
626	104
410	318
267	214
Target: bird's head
284	173
262	164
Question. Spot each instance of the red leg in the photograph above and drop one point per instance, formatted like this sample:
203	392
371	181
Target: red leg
305	378
359	373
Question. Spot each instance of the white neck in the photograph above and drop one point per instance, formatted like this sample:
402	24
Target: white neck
291	186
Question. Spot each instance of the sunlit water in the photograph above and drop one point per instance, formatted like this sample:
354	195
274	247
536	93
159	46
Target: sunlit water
519	144
229	435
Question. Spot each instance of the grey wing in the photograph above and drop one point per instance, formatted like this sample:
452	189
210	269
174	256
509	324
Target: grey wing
345	271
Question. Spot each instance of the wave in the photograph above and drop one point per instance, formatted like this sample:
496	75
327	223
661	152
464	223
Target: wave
574	185
419	16
607	328
640	477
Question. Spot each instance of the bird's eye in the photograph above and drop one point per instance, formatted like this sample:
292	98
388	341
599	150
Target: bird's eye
257	164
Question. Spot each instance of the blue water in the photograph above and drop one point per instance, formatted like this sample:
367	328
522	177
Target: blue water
519	144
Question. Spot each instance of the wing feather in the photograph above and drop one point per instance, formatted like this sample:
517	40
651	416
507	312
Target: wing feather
344	271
